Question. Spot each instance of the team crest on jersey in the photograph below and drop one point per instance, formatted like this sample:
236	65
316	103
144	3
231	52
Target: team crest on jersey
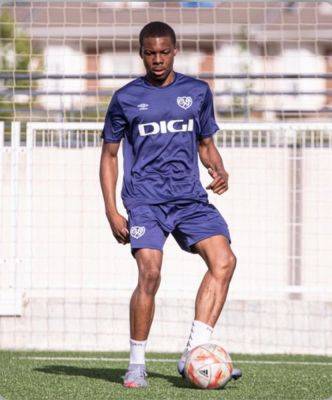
137	231
184	102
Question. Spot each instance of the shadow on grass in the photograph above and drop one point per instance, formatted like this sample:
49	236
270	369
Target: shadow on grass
115	375
107	374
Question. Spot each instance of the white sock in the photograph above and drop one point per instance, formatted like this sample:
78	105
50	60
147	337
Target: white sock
200	333
137	351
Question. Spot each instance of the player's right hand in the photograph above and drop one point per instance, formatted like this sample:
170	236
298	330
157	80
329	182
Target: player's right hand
119	226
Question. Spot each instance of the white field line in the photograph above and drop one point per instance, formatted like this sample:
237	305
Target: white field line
171	360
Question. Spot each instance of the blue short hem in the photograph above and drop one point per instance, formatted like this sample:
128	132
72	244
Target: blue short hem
144	247
191	250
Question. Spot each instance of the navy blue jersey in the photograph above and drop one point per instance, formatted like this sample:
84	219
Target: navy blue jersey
161	127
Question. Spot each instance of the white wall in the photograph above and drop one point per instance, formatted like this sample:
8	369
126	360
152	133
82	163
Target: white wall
62	60
76	280
298	61
119	63
232	59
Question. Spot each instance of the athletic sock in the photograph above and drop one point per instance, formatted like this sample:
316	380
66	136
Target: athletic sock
200	333
137	351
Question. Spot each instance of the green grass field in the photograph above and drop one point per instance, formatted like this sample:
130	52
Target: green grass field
97	376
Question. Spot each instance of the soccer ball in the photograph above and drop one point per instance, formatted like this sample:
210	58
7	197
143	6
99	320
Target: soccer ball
208	366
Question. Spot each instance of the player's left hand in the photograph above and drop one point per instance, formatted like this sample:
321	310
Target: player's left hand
219	184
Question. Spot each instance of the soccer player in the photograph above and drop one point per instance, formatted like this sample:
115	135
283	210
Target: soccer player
166	120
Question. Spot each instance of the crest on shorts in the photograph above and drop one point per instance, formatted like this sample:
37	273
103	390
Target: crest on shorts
137	231
184	102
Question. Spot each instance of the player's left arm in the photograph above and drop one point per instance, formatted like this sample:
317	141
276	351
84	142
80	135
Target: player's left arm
211	159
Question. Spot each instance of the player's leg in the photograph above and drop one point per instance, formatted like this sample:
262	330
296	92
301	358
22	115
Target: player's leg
202	229
221	262
212	293
142	305
142	301
147	239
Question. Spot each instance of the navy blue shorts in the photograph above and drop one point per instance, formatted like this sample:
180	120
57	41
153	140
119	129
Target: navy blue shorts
150	225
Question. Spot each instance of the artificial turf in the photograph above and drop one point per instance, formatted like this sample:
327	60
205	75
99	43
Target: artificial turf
306	377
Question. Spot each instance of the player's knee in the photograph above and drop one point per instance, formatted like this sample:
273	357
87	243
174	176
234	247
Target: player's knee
233	261
225	267
229	265
149	280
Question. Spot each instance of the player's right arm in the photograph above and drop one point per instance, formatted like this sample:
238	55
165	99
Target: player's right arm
108	174
112	134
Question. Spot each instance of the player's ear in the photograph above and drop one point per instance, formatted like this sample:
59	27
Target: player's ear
175	51
141	52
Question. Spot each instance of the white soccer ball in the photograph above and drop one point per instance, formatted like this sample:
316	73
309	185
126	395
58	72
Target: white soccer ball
208	366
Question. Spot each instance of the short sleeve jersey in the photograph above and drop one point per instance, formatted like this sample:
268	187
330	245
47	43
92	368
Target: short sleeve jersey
160	128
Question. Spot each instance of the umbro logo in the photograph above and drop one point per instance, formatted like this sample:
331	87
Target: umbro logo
184	102
137	231
143	107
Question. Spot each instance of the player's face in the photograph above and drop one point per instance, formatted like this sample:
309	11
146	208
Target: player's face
158	57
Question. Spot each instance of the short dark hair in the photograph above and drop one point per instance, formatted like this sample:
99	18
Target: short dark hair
156	29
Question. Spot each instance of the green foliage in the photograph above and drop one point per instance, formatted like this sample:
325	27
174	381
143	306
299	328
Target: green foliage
15	51
13	40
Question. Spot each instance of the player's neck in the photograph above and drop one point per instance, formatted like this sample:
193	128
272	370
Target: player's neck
167	81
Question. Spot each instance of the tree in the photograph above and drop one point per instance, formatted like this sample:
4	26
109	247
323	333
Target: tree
15	53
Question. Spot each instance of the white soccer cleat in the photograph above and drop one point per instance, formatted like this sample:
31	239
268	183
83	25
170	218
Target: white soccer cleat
182	362
135	376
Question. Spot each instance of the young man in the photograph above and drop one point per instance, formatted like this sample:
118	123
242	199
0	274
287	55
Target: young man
165	119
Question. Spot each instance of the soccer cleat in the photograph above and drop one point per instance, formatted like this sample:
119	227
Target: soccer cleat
135	376
236	373
182	362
